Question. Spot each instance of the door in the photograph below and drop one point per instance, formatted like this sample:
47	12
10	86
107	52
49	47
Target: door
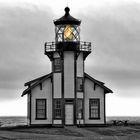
69	114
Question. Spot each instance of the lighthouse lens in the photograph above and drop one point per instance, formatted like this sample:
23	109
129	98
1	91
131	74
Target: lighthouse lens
68	33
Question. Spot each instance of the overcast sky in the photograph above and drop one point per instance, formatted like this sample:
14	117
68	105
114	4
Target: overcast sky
113	27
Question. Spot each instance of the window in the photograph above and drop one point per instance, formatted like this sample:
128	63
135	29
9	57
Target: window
40	108
80	82
57	65
94	108
57	108
79	108
67	33
40	86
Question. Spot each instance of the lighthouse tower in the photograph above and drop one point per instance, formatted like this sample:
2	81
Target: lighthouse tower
68	95
67	55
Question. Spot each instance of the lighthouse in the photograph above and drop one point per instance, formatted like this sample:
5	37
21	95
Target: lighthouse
68	95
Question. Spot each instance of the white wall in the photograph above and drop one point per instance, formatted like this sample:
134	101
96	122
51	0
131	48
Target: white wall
28	108
57	81
91	93
57	121
80	64
57	87
80	71
80	95
69	74
46	93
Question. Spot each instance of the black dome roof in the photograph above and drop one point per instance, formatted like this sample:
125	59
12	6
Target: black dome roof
67	19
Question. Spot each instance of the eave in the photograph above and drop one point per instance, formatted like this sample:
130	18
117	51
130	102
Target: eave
36	82
101	84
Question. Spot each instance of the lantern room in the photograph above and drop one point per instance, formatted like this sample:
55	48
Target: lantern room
67	37
67	28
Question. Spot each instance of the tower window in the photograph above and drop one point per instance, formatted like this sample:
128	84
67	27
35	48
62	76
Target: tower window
80	84
94	108
40	108
57	108
57	65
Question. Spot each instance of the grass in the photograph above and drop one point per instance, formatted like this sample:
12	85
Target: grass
42	130
115	130
131	132
50	131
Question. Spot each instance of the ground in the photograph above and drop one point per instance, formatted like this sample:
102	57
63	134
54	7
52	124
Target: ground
71	133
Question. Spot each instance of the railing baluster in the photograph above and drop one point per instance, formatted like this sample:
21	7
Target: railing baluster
83	46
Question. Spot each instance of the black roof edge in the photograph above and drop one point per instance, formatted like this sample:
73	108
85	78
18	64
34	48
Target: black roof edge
34	80
39	80
107	90
67	19
87	75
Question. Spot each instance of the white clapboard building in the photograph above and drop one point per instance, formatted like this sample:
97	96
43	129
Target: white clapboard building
67	95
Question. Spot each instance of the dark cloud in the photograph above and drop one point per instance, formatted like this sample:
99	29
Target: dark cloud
115	35
114	32
121	78
22	36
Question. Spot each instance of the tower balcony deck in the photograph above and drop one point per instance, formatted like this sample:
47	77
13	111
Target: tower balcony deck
60	46
79	46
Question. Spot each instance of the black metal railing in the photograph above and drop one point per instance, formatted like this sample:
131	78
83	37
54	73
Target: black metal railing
82	46
50	46
85	46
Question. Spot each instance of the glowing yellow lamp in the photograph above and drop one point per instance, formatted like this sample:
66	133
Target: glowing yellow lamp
68	33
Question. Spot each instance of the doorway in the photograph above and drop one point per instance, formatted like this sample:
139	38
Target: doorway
69	114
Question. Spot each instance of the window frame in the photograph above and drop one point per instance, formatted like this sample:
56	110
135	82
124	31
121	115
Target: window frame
56	65
91	100
56	109
45	109
60	37
77	87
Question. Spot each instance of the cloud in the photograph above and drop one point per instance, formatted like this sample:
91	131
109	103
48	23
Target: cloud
22	36
115	35
113	30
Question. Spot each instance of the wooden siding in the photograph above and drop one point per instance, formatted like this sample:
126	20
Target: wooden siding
80	95
28	109
90	93
80	65
69	81
57	121
45	93
57	87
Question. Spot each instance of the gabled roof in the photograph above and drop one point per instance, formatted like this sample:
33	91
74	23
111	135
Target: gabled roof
35	82
101	84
